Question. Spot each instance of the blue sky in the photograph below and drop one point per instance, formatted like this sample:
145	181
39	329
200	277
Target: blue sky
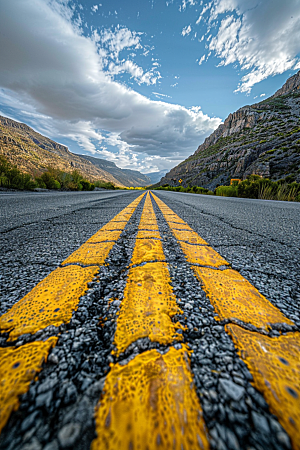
141	83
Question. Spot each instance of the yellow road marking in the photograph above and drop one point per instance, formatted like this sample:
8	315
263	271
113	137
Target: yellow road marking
189	236
179	226
275	366
149	303
273	362
122	217
18	368
89	254
174	218
54	299
147	250
111	226
231	294
104	235
143	234
202	254
234	297
147	307
150	403
51	302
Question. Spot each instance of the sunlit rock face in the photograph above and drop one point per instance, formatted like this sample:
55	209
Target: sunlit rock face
261	139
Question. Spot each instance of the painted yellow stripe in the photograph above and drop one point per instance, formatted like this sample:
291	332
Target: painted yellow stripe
54	299
234	297
179	226
90	254
51	302
151	404
18	368
231	294
273	362
150	234
104	235
149	303
189	236
275	366
147	250
147	307
202	254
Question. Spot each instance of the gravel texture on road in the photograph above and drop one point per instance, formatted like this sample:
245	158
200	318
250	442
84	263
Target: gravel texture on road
259	239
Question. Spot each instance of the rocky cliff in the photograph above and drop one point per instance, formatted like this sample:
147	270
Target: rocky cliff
262	139
32	152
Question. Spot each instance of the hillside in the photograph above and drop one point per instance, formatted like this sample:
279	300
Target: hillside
261	139
125	176
32	153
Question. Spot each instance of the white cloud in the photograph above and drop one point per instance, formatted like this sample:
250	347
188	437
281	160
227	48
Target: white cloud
184	4
186	31
263	39
119	39
111	42
205	8
262	95
158	95
49	67
135	71
94	8
201	60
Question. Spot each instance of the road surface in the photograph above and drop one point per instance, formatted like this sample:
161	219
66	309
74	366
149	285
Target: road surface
138	321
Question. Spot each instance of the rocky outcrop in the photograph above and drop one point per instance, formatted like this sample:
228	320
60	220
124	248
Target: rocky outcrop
291	85
261	139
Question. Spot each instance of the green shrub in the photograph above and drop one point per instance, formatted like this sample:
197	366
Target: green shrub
87	186
49	181
13	178
227	191
104	185
40	183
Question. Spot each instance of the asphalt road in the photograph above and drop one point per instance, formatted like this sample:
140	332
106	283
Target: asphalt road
259	239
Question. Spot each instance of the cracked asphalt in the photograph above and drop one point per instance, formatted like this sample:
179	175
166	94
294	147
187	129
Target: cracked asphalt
259	239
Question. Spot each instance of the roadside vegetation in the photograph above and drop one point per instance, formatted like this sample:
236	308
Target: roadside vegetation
189	189
254	186
12	178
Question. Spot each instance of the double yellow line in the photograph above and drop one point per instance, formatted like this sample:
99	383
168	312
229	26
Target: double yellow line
150	402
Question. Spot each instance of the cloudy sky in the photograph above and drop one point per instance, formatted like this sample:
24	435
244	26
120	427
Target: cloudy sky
141	82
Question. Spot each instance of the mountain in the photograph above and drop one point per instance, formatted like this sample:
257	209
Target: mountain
155	177
32	153
125	176
262	139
